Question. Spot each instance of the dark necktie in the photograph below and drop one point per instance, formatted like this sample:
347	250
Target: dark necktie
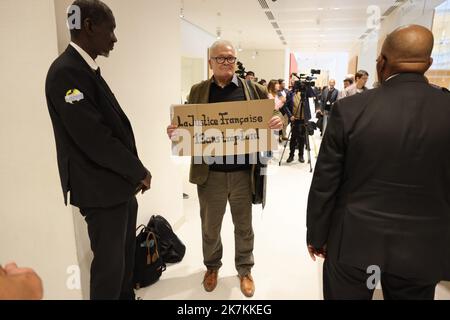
330	92
98	73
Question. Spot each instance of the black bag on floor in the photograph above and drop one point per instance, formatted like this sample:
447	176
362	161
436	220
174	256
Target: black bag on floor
148	265
171	248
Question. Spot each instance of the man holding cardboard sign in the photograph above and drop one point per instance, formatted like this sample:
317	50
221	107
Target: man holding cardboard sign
223	129
223	176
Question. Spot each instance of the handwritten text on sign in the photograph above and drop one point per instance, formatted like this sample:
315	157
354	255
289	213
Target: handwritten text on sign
229	128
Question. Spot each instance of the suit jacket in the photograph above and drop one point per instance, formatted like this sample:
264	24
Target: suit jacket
334	97
97	157
380	192
199	95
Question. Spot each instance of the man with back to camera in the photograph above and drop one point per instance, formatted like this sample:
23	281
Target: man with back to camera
297	115
97	157
226	180
379	198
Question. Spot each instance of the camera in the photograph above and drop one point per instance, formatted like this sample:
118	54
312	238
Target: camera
240	70
305	81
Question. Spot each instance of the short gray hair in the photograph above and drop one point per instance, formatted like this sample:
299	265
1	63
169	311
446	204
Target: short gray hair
221	43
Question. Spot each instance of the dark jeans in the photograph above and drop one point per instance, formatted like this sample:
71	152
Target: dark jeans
297	137
112	232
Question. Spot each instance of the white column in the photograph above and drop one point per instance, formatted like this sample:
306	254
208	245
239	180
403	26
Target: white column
36	229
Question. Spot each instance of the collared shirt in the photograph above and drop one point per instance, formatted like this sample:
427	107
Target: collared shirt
91	62
391	77
234	91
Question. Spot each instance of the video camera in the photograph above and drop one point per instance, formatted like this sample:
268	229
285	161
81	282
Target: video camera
305	81
240	70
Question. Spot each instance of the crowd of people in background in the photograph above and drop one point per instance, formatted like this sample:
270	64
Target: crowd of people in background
289	104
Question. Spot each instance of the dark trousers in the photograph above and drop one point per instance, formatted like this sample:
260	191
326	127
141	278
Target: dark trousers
343	282
297	137
112	232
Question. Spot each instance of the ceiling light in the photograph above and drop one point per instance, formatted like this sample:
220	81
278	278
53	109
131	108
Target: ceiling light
219	34
182	9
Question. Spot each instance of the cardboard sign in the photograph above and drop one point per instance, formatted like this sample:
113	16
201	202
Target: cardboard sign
219	129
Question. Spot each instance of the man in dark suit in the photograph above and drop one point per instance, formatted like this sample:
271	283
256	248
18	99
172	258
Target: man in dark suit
329	96
379	199
97	157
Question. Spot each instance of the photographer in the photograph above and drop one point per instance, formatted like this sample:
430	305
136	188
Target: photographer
298	138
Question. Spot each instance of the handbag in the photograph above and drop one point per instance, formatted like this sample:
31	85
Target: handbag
259	177
148	265
170	247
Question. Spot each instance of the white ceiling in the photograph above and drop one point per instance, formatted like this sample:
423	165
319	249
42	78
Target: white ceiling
307	25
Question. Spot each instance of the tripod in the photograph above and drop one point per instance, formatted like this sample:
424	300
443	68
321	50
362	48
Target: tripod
304	104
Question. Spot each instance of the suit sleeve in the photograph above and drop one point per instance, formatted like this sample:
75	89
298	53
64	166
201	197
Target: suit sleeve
326	182
86	126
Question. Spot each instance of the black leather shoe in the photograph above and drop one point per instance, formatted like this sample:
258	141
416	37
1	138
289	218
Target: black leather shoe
290	159
300	158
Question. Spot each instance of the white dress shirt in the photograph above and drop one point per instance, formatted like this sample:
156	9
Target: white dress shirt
91	62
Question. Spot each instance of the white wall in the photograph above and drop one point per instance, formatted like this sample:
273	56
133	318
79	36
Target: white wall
267	64
194	55
333	66
36	229
144	73
195	43
414	12
367	57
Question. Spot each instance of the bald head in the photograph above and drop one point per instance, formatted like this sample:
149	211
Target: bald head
407	49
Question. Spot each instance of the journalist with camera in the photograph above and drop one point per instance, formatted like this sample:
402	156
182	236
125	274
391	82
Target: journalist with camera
300	116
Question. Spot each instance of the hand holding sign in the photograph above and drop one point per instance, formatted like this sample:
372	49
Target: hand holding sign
229	128
276	123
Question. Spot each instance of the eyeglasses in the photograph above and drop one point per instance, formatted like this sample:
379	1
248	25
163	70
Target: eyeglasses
221	60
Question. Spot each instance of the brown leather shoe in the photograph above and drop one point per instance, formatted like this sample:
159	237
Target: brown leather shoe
210	280
247	285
